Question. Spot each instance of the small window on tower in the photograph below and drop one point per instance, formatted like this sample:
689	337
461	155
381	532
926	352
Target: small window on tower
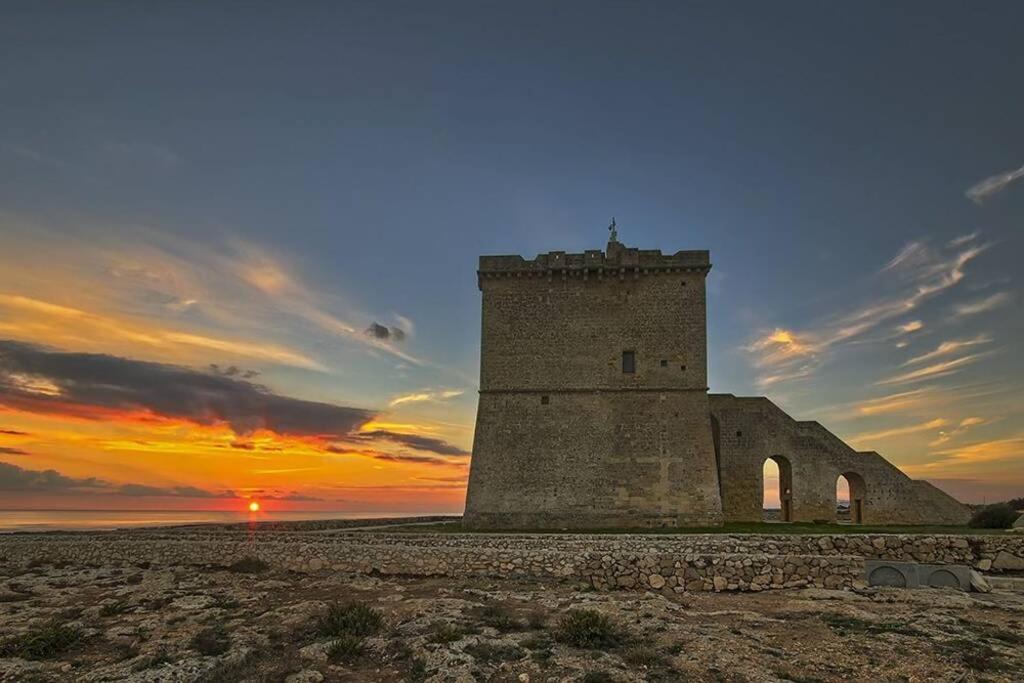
544	400
628	362
664	363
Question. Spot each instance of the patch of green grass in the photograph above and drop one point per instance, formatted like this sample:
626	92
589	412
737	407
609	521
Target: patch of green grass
249	565
43	642
211	641
494	652
353	618
446	633
590	629
641	656
845	624
346	648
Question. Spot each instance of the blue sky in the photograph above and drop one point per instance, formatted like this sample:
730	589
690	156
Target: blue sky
283	176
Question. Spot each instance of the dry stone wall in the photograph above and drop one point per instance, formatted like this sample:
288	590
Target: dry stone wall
698	563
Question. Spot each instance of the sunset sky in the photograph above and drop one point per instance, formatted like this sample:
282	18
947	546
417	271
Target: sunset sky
238	248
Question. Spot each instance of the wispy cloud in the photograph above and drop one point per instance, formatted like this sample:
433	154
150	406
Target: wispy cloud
894	403
982	305
962	428
1010	448
917	272
984	189
426	396
868	437
950	347
935	370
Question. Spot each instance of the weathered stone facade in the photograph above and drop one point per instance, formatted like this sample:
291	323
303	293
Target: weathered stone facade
594	410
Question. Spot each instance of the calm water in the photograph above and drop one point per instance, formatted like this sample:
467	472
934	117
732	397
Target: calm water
79	520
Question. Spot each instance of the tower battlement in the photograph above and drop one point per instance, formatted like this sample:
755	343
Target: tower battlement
616	260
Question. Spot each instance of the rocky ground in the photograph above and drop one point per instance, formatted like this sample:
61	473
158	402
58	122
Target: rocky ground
250	623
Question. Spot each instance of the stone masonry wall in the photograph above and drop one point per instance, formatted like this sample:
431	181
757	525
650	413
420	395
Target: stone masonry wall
750	430
690	563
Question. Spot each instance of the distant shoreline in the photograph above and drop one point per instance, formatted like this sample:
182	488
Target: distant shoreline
125	521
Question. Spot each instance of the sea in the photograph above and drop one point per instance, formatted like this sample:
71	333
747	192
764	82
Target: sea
104	520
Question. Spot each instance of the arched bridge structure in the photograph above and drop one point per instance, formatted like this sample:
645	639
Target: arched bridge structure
748	431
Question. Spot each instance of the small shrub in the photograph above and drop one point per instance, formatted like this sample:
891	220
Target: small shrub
446	633
44	642
353	618
416	670
152	661
211	641
998	516
225	602
249	565
589	629
346	648
499	617
492	652
536	620
643	657
597	677
113	608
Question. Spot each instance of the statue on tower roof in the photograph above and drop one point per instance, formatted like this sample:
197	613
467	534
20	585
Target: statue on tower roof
615	233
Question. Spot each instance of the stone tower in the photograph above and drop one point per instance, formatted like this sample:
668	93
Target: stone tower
593	392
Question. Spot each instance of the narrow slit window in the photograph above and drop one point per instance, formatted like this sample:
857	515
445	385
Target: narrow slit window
664	363
544	400
628	362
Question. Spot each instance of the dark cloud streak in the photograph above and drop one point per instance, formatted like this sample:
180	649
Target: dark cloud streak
115	383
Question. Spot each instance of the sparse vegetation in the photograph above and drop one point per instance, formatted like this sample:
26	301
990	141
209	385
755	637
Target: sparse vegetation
211	641
974	655
249	565
998	516
641	656
500	617
589	629
114	608
225	602
44	642
354	618
494	652
846	624
346	648
446	633
597	677
537	620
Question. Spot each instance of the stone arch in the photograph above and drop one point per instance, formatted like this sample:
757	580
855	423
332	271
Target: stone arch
858	495
785	486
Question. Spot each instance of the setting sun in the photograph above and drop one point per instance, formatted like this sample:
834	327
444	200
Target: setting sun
254	506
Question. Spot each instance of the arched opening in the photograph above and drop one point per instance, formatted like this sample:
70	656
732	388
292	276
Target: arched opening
850	493
777	494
